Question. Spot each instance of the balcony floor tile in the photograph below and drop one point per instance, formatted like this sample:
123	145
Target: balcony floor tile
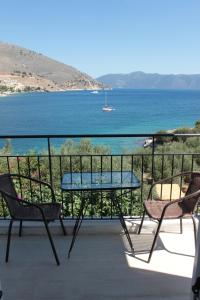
101	267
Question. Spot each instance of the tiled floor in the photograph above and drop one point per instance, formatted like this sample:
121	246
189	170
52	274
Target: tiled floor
101	267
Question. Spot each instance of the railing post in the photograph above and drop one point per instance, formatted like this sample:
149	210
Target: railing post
153	152
50	164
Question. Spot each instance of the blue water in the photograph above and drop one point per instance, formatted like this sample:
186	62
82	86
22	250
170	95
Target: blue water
80	112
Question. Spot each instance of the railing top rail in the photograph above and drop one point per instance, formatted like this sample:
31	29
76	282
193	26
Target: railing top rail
129	135
97	155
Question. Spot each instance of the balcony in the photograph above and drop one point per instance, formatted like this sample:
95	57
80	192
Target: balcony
101	265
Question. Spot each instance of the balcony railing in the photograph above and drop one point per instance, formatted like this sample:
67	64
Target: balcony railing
148	164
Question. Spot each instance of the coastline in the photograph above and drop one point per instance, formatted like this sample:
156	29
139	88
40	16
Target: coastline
9	93
5	94
19	82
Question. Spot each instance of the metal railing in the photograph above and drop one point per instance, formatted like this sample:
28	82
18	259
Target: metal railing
149	166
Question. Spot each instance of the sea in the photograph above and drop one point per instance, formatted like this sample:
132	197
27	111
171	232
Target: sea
80	112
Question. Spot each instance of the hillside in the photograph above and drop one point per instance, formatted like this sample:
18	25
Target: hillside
141	80
23	69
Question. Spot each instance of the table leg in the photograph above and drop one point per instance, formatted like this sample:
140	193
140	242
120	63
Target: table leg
80	217
116	202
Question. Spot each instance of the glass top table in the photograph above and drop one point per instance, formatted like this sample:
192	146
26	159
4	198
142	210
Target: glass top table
106	180
99	181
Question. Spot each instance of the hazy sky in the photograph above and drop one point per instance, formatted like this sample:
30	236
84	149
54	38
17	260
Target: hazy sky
108	36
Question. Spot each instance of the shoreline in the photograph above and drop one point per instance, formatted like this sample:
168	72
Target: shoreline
5	94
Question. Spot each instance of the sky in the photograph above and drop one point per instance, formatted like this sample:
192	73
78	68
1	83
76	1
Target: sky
108	36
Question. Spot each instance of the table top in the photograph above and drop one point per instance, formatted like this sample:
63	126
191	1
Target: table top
106	180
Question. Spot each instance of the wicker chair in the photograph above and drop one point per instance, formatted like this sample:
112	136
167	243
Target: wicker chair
158	209
22	210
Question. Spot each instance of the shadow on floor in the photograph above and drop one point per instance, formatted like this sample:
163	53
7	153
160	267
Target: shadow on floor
98	269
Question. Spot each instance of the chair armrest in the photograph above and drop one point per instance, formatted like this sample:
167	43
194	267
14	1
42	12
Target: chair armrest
21	201
36	181
168	179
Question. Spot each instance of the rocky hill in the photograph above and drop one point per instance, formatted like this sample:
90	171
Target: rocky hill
141	80
23	69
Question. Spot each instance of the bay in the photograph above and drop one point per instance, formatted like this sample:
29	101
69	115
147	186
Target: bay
80	112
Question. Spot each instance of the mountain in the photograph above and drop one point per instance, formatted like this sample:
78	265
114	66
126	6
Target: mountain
24	69
141	80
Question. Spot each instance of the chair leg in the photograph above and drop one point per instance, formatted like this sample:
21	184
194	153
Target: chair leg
181	225
8	240
195	230
51	242
140	228
154	240
62	226
20	228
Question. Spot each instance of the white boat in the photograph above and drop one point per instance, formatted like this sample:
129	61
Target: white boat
94	92
148	142
106	107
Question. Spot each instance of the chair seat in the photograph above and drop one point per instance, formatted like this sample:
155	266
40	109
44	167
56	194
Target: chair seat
51	212
181	206
154	209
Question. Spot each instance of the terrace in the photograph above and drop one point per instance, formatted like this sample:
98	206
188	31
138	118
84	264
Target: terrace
101	265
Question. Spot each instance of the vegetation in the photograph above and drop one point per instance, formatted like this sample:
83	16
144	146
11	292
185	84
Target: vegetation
171	157
4	88
174	138
29	88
